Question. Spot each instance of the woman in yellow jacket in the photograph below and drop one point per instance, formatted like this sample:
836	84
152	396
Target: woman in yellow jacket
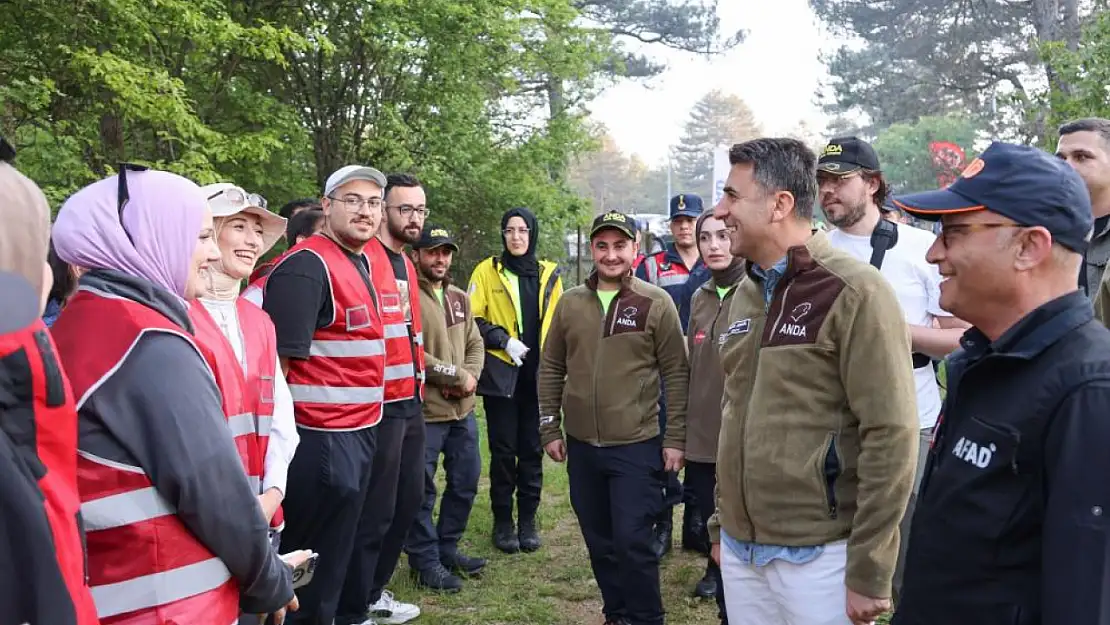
513	297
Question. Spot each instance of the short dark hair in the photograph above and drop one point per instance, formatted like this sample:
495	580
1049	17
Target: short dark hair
65	284
309	203
302	224
883	192
780	164
1087	124
393	181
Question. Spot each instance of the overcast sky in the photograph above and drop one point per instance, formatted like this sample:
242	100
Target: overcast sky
777	71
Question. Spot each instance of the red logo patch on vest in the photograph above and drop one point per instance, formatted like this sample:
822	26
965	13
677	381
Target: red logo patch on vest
699	337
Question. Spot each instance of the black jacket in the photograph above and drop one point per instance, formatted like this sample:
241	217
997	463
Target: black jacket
1013	520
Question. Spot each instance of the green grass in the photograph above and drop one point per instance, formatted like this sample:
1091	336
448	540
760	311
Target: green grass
553	586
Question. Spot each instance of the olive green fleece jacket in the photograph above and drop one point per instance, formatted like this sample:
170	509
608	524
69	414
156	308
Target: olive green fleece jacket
819	427
452	346
600	372
708	318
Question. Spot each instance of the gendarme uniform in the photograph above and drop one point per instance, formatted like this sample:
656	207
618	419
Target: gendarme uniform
605	358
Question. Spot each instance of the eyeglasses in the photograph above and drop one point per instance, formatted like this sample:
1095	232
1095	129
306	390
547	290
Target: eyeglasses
836	181
946	230
123	195
354	202
511	231
239	198
407	210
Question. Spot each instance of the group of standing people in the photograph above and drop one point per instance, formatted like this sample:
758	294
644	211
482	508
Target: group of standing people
170	433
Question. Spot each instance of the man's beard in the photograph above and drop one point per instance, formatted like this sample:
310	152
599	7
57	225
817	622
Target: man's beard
429	274
398	232
850	217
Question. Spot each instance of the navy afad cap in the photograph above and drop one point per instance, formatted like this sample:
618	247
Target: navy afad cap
1028	185
686	205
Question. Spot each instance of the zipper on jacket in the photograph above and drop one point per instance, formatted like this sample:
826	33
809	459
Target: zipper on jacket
756	344
830	471
597	363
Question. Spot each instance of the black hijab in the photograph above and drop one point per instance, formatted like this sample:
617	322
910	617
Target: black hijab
525	265
721	277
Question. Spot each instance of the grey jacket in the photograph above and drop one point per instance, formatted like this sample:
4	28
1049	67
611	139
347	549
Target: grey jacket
1098	255
161	411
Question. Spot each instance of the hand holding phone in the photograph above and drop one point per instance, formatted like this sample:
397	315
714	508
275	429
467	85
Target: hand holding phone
303	563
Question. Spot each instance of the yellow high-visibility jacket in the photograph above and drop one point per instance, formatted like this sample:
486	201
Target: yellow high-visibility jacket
492	302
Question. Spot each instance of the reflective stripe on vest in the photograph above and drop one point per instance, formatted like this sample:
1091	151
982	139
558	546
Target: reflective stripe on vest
265	426
157	589
242	424
347	349
336	394
124	508
673	280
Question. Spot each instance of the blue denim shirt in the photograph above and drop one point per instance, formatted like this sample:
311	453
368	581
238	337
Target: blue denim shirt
753	553
770	279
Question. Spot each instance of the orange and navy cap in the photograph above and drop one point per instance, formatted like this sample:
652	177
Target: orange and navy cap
1028	185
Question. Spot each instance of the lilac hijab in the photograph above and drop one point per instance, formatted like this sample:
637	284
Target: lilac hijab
163	216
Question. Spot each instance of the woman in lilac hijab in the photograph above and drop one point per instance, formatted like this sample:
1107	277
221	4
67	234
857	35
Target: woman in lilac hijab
174	533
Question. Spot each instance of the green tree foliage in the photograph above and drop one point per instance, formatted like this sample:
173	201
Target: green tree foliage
904	153
1086	69
915	58
717	119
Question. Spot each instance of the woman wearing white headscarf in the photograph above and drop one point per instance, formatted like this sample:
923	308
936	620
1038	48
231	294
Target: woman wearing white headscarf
241	346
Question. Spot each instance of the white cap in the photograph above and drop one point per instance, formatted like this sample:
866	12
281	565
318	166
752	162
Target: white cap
353	172
273	226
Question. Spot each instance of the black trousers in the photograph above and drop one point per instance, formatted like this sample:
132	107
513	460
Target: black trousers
701	480
392	501
428	543
329	479
673	492
516	456
615	494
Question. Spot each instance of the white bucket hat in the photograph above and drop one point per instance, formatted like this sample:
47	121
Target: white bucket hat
226	199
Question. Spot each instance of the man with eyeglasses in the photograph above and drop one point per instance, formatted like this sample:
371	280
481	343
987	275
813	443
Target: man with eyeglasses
852	191
332	344
397	479
1012	523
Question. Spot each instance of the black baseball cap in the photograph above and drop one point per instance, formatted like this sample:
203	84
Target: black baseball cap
1028	185
844	155
434	236
617	221
686	205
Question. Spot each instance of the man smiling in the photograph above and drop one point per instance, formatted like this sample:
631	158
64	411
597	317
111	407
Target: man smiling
611	342
819	424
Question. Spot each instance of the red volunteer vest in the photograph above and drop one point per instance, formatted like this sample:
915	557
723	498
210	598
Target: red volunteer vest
664	273
48	429
145	566
248	398
340	386
404	354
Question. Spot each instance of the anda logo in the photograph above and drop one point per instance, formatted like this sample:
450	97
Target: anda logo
793	329
796	329
627	317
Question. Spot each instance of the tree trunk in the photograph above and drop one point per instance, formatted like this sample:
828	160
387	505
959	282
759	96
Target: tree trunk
1048	26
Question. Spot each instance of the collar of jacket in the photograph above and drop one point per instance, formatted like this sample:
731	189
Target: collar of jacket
800	258
1034	333
711	285
118	284
426	284
592	281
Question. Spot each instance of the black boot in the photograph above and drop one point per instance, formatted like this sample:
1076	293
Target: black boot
463	564
504	537
706	587
436	577
695	535
661	541
529	537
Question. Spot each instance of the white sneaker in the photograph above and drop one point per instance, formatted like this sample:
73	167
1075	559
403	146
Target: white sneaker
389	611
